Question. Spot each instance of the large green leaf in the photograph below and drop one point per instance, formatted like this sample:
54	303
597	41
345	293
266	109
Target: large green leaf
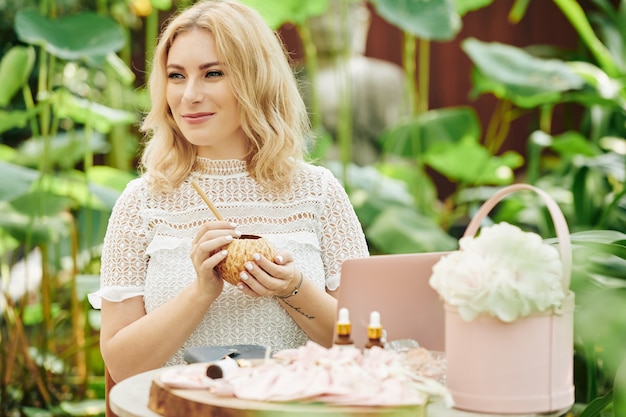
426	19
15	119
413	137
371	192
86	36
17	180
101	117
278	12
15	68
41	203
35	230
402	230
471	163
73	185
572	144
64	150
513	72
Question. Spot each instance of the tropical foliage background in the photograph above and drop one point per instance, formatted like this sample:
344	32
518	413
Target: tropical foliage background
71	99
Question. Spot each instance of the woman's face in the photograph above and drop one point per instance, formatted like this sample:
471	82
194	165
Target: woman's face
201	99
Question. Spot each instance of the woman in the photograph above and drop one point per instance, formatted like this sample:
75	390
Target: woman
228	115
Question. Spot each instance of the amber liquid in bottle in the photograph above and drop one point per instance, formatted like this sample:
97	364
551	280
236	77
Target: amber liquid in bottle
344	329
374	331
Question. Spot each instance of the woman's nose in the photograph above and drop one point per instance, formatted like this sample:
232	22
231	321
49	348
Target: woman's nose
192	93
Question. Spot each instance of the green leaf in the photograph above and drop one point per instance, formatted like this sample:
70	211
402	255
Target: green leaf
65	149
84	408
15	119
572	143
418	182
402	230
464	6
21	179
15	68
371	192
164	5
37	231
101	117
86	36
33	313
471	163
41	203
36	412
7	153
415	136
595	77
73	185
124	74
110	177
597	405
278	12
426	19
514	73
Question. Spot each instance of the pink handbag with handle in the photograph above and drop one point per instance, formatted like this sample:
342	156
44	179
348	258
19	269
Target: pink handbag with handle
525	366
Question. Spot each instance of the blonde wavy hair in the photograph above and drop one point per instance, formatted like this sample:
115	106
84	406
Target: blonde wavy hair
273	114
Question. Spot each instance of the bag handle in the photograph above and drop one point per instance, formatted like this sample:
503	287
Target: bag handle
560	225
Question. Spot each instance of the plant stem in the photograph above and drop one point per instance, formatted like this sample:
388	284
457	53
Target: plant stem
152	30
408	63
424	76
310	65
577	17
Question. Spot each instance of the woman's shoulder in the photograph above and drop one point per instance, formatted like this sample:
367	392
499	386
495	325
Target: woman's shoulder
313	171
316	180
136	186
135	190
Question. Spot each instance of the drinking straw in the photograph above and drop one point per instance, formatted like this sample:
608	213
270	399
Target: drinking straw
206	200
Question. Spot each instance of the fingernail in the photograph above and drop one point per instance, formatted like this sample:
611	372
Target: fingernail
238	233
224	252
256	256
280	259
229	238
233	224
240	286
249	266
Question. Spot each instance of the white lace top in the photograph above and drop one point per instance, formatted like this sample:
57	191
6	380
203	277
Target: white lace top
148	241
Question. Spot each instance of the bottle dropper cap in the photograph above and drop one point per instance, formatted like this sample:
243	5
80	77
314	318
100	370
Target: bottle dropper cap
344	326
374	329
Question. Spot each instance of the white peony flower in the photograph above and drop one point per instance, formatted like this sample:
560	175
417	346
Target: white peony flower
504	272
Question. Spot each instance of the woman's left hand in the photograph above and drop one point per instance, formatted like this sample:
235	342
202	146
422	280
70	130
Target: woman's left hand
265	278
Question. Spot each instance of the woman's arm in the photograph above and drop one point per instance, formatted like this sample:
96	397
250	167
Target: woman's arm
132	341
311	307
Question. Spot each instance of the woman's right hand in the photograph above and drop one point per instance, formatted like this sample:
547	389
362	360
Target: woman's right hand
207	250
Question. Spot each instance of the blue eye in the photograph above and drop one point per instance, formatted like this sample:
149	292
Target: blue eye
214	74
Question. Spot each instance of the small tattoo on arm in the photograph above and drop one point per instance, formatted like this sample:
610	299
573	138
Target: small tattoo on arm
297	309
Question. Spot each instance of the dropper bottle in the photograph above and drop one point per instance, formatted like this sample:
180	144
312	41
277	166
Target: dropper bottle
344	329
374	331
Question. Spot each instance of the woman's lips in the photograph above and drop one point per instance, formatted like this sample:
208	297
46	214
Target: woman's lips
197	118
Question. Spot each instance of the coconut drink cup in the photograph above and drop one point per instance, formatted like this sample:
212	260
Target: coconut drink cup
241	251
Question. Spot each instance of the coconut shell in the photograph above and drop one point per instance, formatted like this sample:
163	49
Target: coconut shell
241	251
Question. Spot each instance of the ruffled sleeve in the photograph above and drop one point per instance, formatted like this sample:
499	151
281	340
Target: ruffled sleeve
342	235
124	257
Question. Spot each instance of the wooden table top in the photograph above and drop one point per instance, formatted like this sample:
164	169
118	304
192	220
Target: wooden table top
129	398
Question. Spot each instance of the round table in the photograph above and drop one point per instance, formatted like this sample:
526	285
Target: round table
129	398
